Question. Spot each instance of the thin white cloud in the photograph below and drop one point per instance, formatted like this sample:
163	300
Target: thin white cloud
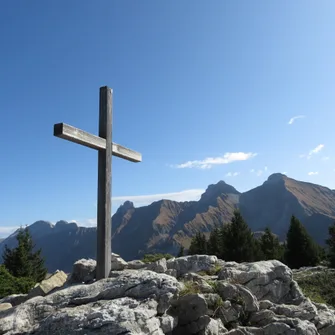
208	163
325	158
142	200
5	231
232	174
85	222
313	173
312	152
295	118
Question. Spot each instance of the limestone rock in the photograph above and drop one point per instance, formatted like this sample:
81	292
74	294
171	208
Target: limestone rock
56	280
325	319
305	311
5	305
118	263
14	299
172	272
194	263
249	299
83	271
136	265
199	282
158	266
265	304
238	294
128	303
267	280
168	323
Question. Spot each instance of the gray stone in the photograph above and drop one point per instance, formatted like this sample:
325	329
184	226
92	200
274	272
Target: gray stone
172	272
83	271
168	323
158	266
56	280
238	294
265	304
136	265
14	299
194	263
190	308
118	263
127	303
5	305
267	280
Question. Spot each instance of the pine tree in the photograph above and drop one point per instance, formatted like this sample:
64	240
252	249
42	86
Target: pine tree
181	252
213	244
270	246
237	240
22	261
301	250
331	245
198	245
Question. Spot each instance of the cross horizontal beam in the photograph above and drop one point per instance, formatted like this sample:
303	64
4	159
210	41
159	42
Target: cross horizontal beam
82	137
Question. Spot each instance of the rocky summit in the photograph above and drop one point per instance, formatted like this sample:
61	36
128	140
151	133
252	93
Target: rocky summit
196	294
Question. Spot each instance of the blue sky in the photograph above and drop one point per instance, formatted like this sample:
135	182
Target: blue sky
204	90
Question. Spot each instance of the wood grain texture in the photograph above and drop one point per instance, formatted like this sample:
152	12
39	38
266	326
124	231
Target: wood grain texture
104	225
70	133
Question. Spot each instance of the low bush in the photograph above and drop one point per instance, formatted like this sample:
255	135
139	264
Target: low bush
149	258
12	285
319	286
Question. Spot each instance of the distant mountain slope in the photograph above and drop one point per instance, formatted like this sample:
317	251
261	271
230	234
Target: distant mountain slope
273	203
165	225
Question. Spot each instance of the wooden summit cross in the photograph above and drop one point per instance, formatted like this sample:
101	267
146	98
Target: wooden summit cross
102	143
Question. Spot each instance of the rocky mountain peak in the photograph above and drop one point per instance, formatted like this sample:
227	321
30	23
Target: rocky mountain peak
276	178
215	190
126	206
64	225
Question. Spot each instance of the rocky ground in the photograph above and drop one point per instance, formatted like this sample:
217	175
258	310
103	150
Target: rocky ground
188	295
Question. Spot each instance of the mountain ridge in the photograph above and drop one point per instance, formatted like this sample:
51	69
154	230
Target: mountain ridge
165	225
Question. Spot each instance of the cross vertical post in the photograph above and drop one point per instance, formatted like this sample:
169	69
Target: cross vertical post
104	234
106	148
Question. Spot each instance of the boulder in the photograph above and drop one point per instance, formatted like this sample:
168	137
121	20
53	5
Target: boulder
267	280
14	299
129	303
158	266
194	263
118	263
250	298
83	271
136	265
5	305
56	280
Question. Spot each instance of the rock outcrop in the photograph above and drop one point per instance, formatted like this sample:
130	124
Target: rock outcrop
197	294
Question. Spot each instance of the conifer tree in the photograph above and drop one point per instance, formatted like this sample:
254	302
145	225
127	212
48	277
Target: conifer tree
270	246
213	243
237	240
198	245
181	252
22	261
331	245
301	250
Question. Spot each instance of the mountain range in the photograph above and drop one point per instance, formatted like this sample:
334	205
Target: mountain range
165	225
